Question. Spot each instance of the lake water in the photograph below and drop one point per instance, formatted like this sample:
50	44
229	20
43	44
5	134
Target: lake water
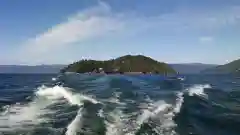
119	105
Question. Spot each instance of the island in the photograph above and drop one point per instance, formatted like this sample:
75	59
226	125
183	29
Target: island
229	68
128	64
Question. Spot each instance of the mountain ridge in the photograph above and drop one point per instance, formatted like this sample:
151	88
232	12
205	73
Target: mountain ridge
191	68
29	69
182	68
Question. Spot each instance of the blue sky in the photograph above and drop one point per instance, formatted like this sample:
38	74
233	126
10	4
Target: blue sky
173	31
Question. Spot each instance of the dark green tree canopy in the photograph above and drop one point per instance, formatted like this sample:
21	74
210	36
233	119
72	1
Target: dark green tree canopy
232	67
127	63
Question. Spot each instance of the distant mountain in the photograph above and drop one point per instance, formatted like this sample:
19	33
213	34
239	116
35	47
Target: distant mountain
24	69
232	67
191	68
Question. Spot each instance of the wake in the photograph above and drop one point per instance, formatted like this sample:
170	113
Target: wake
24	116
153	117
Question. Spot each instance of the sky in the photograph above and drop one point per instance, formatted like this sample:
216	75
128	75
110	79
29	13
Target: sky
36	32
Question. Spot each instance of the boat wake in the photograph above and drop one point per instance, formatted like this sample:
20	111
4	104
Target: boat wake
48	101
128	110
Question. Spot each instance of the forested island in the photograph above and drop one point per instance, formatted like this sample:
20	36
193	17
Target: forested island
124	64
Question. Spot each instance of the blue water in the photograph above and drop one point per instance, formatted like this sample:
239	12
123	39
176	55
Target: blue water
74	104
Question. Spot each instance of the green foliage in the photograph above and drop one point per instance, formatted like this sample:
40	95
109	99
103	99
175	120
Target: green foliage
123	64
232	67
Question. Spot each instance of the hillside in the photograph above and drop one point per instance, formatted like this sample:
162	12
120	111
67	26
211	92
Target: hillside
24	69
232	67
127	63
191	68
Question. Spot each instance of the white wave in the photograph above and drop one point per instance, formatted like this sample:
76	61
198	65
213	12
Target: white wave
74	127
100	113
128	124
19	116
119	123
122	124
5	109
155	110
198	90
160	112
115	99
24	116
58	92
179	102
181	78
114	126
115	119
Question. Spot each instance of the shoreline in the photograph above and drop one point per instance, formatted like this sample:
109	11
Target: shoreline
127	73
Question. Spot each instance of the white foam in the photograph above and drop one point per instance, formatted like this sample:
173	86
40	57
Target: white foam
18	116
21	116
119	123
181	78
152	111
58	92
115	99
198	90
116	119
161	106
74	127
179	102
115	126
5	109
100	113
54	79
160	112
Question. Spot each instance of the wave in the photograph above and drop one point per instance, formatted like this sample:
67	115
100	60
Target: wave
120	123
198	90
208	110
19	116
114	119
126	106
24	116
159	116
153	116
58	92
193	90
75	125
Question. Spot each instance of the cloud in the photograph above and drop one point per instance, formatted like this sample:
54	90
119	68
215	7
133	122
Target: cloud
206	39
84	25
81	26
208	20
100	21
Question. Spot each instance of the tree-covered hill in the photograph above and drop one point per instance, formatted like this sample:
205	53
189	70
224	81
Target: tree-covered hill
127	63
232	67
